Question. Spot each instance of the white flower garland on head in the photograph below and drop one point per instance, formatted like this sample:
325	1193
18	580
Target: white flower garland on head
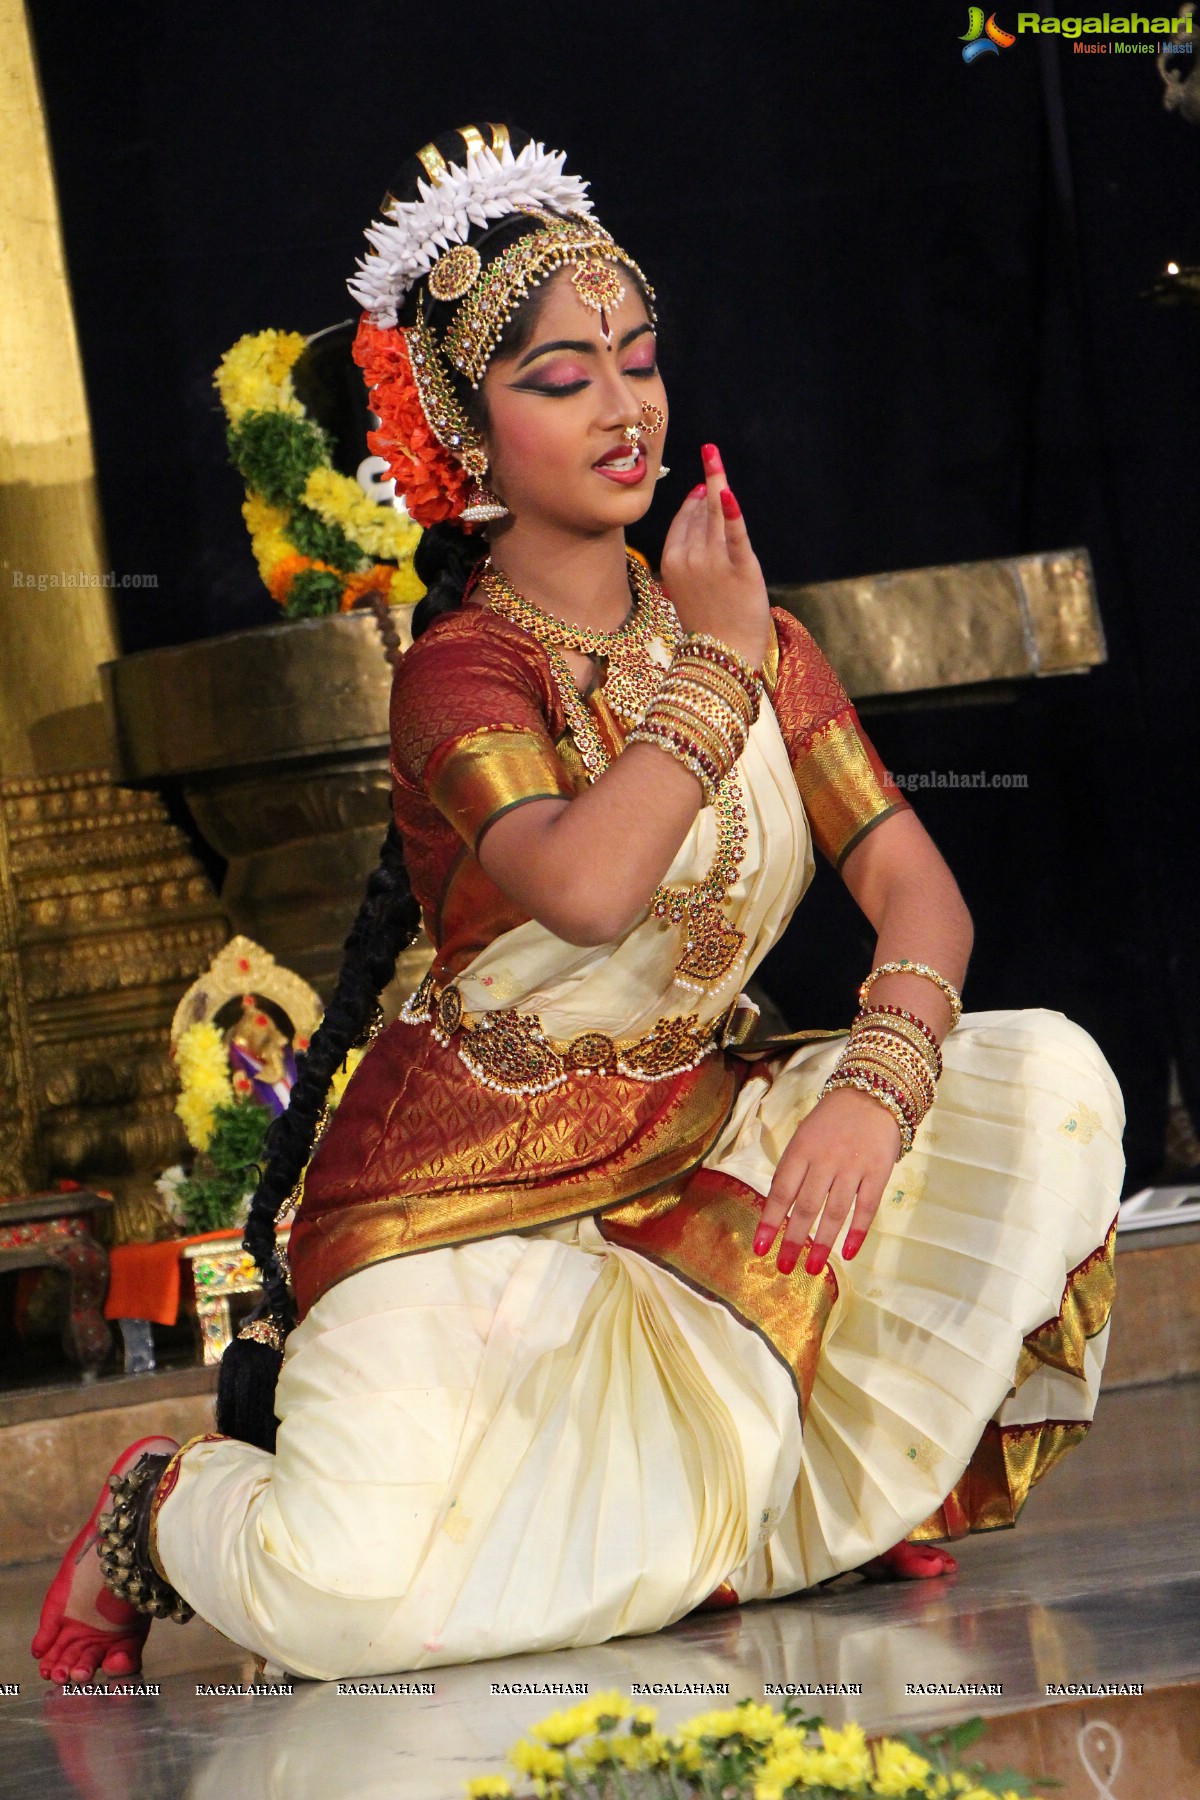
413	233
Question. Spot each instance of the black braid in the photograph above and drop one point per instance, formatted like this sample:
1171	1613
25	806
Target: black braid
387	923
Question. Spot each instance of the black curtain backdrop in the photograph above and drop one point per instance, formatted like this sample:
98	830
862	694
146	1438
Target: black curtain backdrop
902	293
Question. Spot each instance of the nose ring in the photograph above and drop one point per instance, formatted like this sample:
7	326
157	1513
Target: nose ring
653	418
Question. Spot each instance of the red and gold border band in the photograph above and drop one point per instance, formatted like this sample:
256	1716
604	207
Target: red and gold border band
706	1237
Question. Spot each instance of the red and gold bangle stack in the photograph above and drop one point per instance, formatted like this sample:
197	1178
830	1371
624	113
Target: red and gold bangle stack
893	1056
703	709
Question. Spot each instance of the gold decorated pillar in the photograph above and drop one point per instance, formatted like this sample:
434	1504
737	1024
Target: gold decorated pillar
52	636
105	914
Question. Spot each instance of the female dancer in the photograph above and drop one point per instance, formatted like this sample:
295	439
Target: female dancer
552	1368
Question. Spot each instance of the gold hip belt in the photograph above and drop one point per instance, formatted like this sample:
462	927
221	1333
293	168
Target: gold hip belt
509	1050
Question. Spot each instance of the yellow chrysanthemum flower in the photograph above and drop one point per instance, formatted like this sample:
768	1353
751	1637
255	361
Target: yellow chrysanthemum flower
758	1724
595	1714
897	1768
385	534
405	587
651	1750
843	1760
796	1767
261	516
533	1759
489	1787
197	1119
255	374
687	1754
270	548
204	1080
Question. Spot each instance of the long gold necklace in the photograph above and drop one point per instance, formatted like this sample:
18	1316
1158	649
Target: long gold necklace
711	946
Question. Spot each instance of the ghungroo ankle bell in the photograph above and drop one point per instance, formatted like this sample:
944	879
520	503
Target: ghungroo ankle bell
124	1545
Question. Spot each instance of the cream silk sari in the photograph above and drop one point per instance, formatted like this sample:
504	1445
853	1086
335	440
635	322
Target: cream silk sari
551	1437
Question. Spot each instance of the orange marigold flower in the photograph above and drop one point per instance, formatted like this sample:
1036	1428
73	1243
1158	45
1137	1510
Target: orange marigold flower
433	483
280	579
376	579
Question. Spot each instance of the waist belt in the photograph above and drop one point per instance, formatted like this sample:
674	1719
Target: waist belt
511	1052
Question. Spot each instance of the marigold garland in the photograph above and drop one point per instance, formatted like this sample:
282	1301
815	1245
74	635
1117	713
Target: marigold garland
321	544
606	1748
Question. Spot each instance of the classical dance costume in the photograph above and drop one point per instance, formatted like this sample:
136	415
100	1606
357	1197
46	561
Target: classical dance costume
541	1392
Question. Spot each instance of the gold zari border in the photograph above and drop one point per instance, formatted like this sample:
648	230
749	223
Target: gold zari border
476	777
841	790
1086	1304
995	1485
706	1237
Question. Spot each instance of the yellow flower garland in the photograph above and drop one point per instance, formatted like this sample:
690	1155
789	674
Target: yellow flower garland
255	375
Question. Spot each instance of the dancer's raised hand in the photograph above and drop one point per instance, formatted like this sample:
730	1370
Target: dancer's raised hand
710	570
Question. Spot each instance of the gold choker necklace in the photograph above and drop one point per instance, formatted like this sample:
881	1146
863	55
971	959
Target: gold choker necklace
637	654
711	947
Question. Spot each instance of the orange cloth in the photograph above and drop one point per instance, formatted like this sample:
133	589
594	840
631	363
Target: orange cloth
144	1278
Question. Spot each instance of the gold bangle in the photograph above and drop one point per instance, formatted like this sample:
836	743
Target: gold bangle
726	727
703	645
714	679
705	719
917	1035
913	1079
902	1073
884	1099
685	752
904	967
899	1048
898	1076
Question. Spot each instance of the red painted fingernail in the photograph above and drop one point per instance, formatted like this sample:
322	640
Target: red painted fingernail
818	1256
697	491
711	458
787	1258
853	1244
729	505
764	1237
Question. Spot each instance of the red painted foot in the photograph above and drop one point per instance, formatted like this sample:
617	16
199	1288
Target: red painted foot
720	1598
909	1562
84	1627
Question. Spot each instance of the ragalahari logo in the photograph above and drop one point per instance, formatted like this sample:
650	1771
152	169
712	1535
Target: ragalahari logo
983	39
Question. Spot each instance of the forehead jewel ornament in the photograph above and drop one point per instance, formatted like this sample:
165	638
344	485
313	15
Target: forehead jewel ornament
427	240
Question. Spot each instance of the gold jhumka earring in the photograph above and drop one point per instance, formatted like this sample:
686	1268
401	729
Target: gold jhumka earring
482	505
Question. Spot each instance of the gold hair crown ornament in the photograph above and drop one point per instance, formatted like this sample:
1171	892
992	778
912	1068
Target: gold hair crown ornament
425	241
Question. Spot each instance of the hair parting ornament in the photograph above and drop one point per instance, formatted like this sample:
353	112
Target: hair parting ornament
422	253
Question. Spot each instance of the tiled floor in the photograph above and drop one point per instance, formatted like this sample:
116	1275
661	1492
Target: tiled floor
1099	1583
